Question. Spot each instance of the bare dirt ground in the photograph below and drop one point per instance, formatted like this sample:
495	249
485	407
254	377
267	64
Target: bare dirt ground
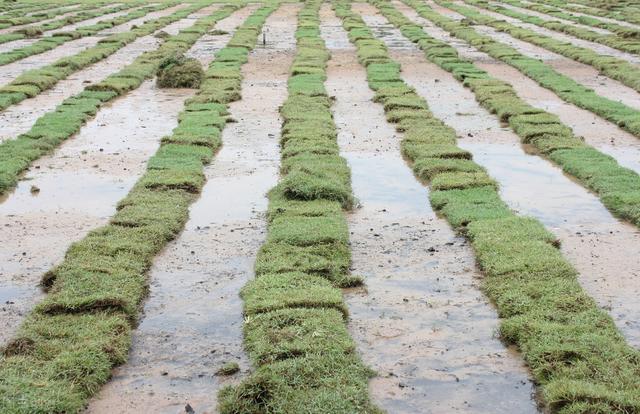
192	321
421	322
532	186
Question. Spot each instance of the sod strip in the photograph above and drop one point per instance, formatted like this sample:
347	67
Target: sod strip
623	15
617	187
36	31
24	20
577	356
611	40
624	32
295	331
51	129
612	67
565	87
65	349
57	39
32	82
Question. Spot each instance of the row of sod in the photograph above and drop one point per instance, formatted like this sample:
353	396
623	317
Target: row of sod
566	88
295	330
21	19
36	31
617	187
618	69
56	39
617	10
618	29
32	82
65	349
56	126
628	44
578	358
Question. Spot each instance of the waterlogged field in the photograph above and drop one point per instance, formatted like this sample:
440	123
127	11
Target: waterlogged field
247	207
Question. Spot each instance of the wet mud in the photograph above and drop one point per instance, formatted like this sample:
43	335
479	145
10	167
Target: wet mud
5	47
76	189
13	70
18	119
590	236
421	321
585	74
192	321
598	132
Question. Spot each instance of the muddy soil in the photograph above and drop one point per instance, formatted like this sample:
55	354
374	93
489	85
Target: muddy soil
11	71
597	47
421	322
591	237
602	134
72	11
5	47
192	320
18	119
585	74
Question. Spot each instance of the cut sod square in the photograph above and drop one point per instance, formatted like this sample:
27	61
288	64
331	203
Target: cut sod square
270	292
294	333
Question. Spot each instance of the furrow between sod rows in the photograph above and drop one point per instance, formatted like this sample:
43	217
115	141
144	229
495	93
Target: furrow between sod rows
32	82
617	187
295	332
59	38
66	348
576	354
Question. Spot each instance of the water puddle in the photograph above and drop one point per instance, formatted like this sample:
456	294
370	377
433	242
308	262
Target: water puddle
421	321
65	195
591	237
584	74
13	70
193	319
604	135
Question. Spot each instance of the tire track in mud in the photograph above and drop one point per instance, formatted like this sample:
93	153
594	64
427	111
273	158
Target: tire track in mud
580	72
589	234
19	118
193	323
77	189
598	132
422	322
5	47
13	70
